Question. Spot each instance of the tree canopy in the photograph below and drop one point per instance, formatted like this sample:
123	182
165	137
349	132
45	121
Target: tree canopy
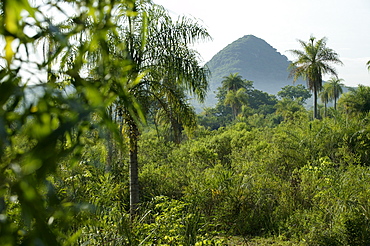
313	61
334	89
294	93
357	100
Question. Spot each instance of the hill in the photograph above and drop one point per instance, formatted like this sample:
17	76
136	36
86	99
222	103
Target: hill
254	59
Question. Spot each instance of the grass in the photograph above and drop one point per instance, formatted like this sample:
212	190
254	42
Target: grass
260	242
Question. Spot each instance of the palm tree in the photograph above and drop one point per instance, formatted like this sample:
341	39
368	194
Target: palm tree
170	70
234	82
235	89
173	115
287	107
312	63
334	89
162	73
236	99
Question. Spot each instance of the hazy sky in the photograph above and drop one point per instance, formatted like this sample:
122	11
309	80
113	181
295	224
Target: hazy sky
345	23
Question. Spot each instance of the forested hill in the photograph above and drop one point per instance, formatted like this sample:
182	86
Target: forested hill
254	59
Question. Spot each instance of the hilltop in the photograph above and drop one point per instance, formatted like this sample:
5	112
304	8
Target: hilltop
254	59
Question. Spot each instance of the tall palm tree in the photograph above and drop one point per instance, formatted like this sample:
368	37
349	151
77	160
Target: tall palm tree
312	63
334	89
159	49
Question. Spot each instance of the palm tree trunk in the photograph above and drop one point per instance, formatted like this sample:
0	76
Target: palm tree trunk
234	111
134	168
176	127
315	104
108	165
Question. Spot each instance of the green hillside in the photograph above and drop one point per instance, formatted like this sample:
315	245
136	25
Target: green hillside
254	59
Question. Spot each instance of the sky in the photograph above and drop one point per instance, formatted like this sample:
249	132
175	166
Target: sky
345	24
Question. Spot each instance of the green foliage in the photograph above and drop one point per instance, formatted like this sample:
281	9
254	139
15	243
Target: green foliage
338	209
289	109
214	118
356	100
237	100
295	92
294	180
40	137
267	173
261	102
172	222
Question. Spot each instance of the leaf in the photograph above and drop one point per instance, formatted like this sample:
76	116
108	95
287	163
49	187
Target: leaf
31	166
9	53
12	14
94	96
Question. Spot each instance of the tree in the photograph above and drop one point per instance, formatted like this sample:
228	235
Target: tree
261	102
170	69
231	102
312	63
294	93
368	65
236	99
288	107
334	89
234	82
174	116
356	100
233	92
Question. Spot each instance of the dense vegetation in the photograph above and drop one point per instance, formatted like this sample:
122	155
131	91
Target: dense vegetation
110	99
